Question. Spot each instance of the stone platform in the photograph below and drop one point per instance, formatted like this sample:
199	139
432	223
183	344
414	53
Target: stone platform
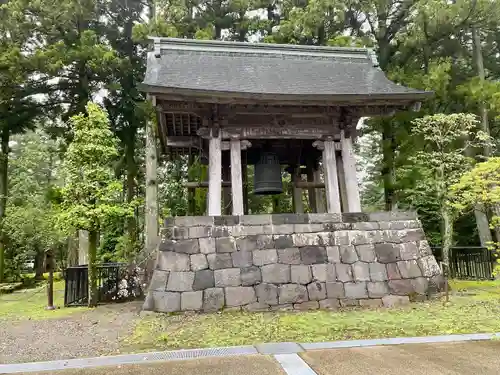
291	261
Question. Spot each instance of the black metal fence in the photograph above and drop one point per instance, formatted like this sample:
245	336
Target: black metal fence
469	262
115	282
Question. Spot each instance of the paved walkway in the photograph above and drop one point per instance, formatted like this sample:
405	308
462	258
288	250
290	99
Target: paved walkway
439	355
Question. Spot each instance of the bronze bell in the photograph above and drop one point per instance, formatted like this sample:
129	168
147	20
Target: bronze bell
267	175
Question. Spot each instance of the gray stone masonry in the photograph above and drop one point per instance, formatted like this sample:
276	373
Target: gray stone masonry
291	261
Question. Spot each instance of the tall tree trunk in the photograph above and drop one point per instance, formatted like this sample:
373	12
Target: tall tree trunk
4	163
388	169
131	189
447	234
480	213
93	293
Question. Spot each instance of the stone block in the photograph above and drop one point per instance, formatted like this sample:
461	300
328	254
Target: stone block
187	246
200	232
391	216
198	262
250	275
255	220
307	228
366	253
276	273
409	269
242	258
341	237
213	299
166	302
283	242
348	254
321	218
225	245
408	250
324	272
203	279
193	221
401	287
263	257
305	239
335	290
283	229
394	301
361	271
377	289
174	262
355	217
227	277
180	233
192	301
420	285
349	302
251	230
356	290
424	248
283	307
393	271
410	235
292	293
429	266
256	307
219	261
167	245
226	220
366	225
289	256
180	281
265	241
357	237
333	254
313	255
301	274
159	281
267	294
436	284
239	296
247	243
316	291
207	245
387	253
378	272
326	239
344	272
392	236
329	304
371	303
278	219
306	306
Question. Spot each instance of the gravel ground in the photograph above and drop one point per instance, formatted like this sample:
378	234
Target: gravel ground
88	334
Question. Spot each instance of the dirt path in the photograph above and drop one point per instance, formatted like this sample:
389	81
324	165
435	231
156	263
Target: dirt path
88	334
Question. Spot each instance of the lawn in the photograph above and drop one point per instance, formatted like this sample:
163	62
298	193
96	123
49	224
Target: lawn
30	303
474	307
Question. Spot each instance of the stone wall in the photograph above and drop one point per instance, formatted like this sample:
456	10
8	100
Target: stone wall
291	261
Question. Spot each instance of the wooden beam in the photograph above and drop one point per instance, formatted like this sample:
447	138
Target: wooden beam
204	184
309	185
184	141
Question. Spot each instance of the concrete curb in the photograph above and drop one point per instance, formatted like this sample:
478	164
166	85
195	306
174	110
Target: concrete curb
276	349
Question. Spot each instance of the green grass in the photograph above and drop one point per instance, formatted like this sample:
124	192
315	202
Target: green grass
31	303
464	314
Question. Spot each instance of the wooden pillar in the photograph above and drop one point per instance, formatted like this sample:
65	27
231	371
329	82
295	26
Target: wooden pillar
236	178
320	195
342	185
351	181
214	175
151	214
331	179
311	192
298	205
244	172
226	190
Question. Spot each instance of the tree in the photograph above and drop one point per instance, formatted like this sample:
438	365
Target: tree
91	193
443	160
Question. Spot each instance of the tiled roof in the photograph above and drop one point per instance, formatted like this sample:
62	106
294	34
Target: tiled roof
268	69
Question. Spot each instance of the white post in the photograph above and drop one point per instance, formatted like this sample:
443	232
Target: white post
351	181
214	175
331	179
342	185
320	196
236	178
